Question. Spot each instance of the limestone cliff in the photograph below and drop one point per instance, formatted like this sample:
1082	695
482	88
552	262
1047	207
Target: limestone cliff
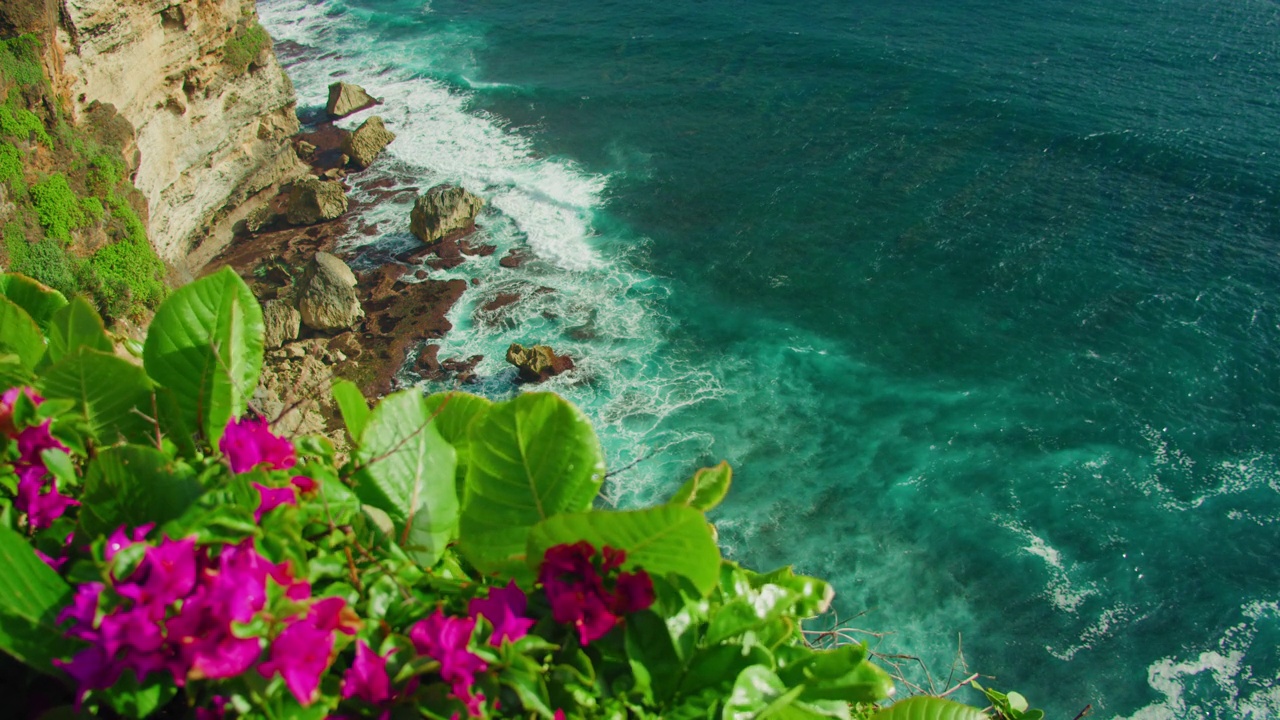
211	107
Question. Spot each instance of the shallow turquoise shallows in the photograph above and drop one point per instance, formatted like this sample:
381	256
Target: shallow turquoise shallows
981	300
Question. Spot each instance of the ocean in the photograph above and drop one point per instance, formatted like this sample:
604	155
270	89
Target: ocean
980	300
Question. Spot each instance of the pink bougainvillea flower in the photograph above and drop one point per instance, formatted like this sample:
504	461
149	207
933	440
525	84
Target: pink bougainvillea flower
7	400
300	655
367	677
505	610
39	498
446	639
83	610
273	498
91	669
333	615
307	486
248	443
34	440
119	539
592	600
633	592
166	574
239	585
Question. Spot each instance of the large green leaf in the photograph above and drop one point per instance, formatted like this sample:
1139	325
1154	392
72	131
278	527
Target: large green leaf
206	344
929	708
39	300
530	458
705	489
664	539
75	325
842	674
113	395
758	693
133	485
353	406
406	470
19	334
31	596
455	413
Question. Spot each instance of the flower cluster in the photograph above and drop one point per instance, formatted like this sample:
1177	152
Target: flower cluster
177	612
586	591
38	494
248	443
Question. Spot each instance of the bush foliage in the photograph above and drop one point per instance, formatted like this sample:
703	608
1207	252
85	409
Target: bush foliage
239	52
168	556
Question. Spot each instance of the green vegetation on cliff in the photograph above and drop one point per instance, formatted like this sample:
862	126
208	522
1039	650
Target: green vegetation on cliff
244	46
69	215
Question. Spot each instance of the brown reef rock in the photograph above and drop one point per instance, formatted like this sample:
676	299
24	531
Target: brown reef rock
538	362
442	211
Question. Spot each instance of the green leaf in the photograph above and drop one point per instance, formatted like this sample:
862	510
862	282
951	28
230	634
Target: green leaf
407	471
716	668
111	394
929	708
841	674
133	485
706	489
206	344
455	413
810	595
12	371
758	693
31	596
19	334
530	458
664	539
76	325
132	699
39	300
355	411
648	644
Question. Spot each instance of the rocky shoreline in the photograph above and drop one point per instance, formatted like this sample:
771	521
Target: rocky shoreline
326	321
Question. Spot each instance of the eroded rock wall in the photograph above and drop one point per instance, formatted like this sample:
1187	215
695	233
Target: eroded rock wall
211	132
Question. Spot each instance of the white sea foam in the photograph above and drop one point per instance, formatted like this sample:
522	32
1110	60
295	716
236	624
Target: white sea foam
1061	589
1225	666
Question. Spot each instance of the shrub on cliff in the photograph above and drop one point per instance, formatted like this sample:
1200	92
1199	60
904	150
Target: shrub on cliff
244	46
165	555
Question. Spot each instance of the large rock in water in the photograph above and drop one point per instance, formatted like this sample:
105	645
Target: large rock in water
345	98
537	363
327	299
363	145
442	210
314	200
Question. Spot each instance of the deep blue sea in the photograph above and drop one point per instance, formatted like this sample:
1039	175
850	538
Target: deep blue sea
980	299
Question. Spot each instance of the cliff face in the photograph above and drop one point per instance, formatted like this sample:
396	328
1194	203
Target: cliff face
211	107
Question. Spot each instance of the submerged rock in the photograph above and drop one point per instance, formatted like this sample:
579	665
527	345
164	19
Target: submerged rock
367	142
346	98
442	210
538	362
314	200
328	301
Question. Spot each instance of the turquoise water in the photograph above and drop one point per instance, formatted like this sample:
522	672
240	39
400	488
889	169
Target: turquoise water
979	300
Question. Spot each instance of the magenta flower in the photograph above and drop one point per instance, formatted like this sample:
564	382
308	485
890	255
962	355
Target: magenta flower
39	498
445	639
166	574
367	677
250	442
91	669
505	610
305	485
119	540
592	599
300	655
7	400
83	610
273	498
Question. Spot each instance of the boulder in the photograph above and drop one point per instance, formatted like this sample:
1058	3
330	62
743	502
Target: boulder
282	322
442	210
314	200
345	98
259	218
537	363
305	150
363	145
327	300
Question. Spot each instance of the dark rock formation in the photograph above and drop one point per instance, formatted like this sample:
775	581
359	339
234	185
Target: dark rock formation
282	322
537	363
442	211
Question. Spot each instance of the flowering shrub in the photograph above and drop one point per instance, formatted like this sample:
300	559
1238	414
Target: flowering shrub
168	554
